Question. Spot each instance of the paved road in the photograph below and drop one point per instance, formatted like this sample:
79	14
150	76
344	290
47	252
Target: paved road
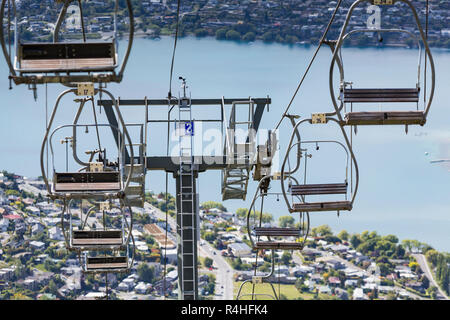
421	260
223	271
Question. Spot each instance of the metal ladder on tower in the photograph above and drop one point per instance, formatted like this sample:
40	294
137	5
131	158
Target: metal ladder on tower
135	193
186	222
239	155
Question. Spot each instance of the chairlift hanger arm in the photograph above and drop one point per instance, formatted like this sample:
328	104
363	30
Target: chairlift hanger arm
322	40
2	35
61	17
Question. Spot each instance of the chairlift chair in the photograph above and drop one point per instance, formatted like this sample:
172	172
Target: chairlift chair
107	238
350	95
299	191
97	179
278	238
66	62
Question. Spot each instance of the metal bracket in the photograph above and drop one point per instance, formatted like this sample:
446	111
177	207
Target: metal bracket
257	279
317	118
277	176
105	206
85	89
95	167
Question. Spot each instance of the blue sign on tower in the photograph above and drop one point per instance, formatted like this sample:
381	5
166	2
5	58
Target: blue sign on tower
189	128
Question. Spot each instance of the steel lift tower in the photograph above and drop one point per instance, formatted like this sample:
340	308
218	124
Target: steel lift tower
186	170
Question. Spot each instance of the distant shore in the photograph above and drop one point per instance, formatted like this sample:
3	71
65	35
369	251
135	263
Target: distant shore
148	36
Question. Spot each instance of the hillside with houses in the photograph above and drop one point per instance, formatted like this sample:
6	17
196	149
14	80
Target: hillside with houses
287	21
34	263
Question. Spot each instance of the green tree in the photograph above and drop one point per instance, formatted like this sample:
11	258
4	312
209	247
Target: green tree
145	272
52	287
201	32
355	240
286	258
286	221
322	231
269	36
432	292
249	37
344	235
213	204
241	212
221	34
391	238
233	35
432	257
208	262
209	236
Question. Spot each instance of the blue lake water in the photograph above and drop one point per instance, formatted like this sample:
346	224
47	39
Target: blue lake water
400	192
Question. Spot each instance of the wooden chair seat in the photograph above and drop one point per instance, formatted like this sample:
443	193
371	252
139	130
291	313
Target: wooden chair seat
322	206
106	263
87	181
97	238
278	245
66	57
385	118
67	65
317	189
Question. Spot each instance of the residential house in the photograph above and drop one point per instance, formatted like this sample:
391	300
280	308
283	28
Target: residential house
358	294
7	273
55	233
172	275
350	283
301	270
370	286
143	288
310	253
340	248
386	289
324	289
4	224
334	281
341	293
37	245
416	285
37	280
316	277
33	210
240	249
334	264
127	284
37	229
361	258
281	270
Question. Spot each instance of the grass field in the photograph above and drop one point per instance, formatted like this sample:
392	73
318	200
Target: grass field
287	290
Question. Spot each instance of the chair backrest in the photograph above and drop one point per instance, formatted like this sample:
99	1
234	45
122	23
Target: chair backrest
380	95
317	189
71	50
97	234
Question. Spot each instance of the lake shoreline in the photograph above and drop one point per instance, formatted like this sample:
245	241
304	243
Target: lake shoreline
302	44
